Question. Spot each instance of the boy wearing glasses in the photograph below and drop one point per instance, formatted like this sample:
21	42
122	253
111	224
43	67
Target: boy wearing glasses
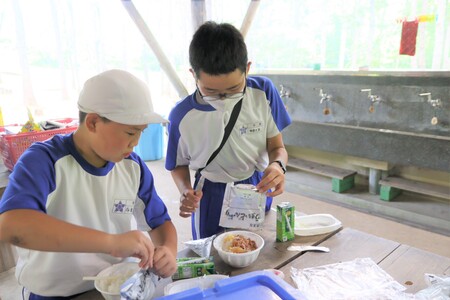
253	153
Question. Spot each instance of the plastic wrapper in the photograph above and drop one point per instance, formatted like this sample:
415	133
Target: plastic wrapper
140	286
201	247
438	288
359	279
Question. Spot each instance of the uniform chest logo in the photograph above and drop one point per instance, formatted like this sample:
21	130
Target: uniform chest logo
251	128
123	206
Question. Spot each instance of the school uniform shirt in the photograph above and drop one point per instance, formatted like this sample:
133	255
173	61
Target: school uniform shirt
196	131
53	178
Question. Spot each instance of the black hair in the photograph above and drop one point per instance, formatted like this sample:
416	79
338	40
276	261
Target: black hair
217	49
82	116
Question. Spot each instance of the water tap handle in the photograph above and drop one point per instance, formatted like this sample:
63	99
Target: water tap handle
367	90
428	95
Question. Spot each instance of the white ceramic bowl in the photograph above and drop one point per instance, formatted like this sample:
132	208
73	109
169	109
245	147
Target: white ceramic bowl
110	287
239	260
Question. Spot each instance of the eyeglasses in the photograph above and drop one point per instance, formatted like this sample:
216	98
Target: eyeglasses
223	96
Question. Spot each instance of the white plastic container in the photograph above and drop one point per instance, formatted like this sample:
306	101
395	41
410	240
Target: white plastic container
204	282
315	224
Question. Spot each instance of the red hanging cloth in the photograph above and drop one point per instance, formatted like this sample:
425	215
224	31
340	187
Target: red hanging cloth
409	36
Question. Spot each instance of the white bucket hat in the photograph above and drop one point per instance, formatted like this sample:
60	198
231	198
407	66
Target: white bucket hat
120	97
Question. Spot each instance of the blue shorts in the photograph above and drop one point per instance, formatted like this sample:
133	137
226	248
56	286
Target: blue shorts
37	297
211	205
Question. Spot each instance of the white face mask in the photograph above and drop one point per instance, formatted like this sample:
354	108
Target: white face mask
224	105
223	102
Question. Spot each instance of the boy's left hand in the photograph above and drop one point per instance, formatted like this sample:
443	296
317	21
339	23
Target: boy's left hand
273	178
164	263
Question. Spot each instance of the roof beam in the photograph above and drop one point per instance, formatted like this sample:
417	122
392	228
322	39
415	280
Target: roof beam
153	43
248	19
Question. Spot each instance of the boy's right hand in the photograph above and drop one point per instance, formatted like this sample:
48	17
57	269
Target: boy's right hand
133	244
189	202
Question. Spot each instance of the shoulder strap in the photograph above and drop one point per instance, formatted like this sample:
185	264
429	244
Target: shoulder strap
227	131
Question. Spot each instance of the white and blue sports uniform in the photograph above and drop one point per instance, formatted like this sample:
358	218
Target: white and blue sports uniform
196	130
53	178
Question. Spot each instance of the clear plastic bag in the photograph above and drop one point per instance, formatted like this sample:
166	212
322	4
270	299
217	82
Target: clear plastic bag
359	279
438	288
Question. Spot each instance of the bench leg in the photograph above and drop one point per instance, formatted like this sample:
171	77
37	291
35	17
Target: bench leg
341	185
374	178
387	193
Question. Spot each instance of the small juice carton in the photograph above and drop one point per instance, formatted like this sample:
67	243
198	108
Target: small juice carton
190	267
285	222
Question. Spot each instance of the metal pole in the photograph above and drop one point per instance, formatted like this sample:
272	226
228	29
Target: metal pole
198	12
251	11
163	61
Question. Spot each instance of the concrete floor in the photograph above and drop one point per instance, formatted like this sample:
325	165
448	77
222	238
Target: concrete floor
367	222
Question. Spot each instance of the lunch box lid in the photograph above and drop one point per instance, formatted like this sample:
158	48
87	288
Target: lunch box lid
315	224
258	284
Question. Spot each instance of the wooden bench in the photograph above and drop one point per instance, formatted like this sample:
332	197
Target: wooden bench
342	179
392	186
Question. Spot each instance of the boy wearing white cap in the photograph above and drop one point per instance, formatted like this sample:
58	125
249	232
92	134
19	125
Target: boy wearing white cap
71	201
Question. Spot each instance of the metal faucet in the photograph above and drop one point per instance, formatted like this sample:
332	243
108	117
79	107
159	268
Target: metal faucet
433	102
324	96
373	98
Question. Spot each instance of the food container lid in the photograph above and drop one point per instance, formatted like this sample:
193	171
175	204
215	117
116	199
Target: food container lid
203	282
261	285
316	224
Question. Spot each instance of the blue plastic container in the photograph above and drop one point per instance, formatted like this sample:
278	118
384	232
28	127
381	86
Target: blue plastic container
260	285
151	143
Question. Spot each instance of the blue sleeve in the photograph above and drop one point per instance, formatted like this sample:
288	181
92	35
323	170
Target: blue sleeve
279	112
155	211
31	181
175	117
172	141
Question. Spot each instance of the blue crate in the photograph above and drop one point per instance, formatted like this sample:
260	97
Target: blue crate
261	285
151	143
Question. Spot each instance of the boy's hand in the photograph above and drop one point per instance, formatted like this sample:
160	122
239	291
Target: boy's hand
164	263
135	244
189	202
273	178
